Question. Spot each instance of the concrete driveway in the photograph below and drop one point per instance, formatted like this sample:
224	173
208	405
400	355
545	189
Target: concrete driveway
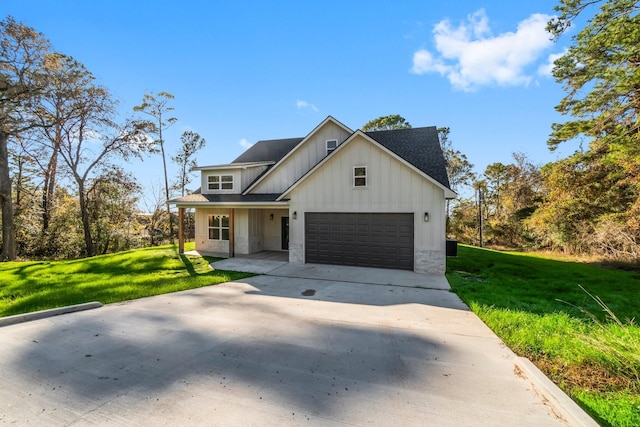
271	350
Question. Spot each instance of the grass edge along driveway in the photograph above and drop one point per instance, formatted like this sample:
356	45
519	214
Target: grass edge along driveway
38	285
539	308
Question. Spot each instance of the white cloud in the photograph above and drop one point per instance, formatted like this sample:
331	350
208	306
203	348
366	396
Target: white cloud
244	143
547	68
304	104
470	56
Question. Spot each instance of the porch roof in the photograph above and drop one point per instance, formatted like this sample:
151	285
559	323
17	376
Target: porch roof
228	199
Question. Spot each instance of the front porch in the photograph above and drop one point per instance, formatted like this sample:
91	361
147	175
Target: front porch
239	231
259	263
278	256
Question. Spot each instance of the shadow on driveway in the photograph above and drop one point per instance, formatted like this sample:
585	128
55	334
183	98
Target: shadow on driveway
247	352
352	292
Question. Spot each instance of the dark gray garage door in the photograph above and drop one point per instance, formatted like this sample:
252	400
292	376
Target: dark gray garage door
383	240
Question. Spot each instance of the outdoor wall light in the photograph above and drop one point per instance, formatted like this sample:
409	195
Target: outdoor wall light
271	217
426	217
295	215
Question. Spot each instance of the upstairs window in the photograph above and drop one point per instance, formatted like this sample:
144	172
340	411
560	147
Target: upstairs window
360	176
218	227
332	144
220	182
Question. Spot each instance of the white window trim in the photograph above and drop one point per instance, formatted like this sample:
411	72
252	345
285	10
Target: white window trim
220	182
365	176
330	150
220	227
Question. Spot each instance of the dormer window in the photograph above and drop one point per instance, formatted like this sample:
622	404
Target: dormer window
220	182
332	144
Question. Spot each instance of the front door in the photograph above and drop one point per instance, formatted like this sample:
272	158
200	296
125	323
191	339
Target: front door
285	233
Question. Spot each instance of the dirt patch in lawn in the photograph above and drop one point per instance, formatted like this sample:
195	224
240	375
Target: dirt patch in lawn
585	376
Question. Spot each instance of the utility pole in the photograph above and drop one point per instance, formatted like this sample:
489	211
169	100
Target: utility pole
480	215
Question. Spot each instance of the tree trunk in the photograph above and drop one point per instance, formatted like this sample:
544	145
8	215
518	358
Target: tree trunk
18	185
86	225
48	190
166	190
8	252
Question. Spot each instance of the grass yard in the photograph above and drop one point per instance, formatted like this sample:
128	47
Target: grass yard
32	286
549	311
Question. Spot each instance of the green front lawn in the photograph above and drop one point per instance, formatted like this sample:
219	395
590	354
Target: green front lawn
32	286
541	308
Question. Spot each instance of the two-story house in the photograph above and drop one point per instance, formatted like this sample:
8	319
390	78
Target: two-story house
374	199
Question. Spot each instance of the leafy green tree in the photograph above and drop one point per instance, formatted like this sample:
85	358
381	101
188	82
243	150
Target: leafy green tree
510	196
95	127
112	203
391	122
459	169
463	223
156	222
27	215
57	110
22	53
580	192
191	144
157	107
496	178
600	73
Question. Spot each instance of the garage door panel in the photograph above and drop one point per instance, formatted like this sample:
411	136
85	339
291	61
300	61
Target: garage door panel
360	239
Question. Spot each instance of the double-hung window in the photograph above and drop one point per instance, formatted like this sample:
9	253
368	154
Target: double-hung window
220	182
360	176
218	227
332	144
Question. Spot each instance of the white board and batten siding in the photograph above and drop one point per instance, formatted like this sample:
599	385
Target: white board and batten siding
202	231
247	231
237	176
392	187
301	160
249	174
254	230
242	178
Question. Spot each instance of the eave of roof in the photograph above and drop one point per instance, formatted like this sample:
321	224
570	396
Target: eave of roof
227	200
242	165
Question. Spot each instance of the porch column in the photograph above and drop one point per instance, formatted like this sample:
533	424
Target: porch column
181	230
232	233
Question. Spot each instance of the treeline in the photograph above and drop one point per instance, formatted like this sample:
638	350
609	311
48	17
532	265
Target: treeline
62	192
588	203
62	195
579	205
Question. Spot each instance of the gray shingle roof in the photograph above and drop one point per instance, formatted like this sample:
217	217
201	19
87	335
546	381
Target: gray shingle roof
268	151
418	146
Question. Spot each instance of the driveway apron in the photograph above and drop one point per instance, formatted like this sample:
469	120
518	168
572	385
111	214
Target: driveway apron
269	350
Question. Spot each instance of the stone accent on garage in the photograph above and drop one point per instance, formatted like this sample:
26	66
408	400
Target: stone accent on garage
429	261
296	253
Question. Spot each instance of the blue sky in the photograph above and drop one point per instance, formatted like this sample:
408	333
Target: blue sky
242	71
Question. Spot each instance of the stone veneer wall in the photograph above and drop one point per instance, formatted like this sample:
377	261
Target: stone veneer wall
296	253
426	261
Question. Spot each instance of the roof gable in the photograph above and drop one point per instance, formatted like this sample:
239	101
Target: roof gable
435	166
329	121
419	147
